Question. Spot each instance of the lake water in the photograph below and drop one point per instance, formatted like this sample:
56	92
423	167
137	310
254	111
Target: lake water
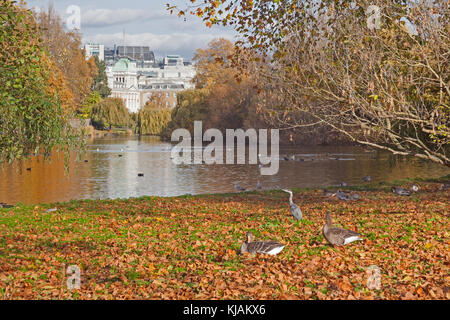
108	175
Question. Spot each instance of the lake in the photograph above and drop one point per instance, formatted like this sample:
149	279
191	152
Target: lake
106	174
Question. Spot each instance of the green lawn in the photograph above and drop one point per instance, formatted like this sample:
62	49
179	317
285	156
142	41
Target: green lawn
186	247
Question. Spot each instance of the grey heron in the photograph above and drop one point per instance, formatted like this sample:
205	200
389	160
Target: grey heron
295	210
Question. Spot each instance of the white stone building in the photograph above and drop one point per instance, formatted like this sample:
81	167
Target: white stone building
95	50
137	85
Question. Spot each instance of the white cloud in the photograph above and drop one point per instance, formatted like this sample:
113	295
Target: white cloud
181	43
109	17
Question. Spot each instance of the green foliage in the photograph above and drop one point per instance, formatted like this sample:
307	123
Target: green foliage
110	112
89	103
152	120
101	80
191	106
32	117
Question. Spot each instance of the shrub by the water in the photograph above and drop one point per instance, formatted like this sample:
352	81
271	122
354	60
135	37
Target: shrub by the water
152	120
110	112
191	106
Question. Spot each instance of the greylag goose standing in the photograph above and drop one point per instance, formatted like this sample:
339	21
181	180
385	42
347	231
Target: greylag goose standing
338	236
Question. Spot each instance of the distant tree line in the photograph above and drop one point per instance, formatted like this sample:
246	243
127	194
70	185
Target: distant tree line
375	72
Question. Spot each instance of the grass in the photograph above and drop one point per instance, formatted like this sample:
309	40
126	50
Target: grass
187	247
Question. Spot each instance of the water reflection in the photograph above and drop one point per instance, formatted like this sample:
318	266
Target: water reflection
113	164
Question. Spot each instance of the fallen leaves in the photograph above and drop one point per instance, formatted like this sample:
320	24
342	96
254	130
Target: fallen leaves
188	248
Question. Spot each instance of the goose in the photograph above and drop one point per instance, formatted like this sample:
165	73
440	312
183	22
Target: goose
327	193
367	179
444	186
343	196
342	184
338	236
238	187
295	210
266	247
355	196
400	191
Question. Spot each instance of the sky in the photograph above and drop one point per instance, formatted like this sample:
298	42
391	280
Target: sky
146	23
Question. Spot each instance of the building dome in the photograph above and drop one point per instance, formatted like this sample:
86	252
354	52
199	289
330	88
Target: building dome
124	65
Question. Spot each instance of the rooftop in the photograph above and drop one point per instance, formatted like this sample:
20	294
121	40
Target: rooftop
124	65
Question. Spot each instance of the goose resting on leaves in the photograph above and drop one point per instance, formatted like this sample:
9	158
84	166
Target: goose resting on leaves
400	191
338	236
266	247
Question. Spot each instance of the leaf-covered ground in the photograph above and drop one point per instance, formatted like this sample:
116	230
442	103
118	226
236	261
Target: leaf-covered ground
186	247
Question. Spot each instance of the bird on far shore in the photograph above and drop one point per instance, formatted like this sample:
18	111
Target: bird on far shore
238	187
444	186
346	196
367	179
327	193
258	185
400	191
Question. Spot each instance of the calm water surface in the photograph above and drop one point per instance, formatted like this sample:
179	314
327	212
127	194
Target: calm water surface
107	175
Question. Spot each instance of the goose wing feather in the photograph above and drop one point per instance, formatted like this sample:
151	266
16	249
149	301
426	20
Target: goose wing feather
341	236
266	247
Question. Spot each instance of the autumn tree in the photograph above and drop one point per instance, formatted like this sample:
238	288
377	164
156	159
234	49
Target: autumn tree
110	112
100	83
34	99
232	94
375	71
65	49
